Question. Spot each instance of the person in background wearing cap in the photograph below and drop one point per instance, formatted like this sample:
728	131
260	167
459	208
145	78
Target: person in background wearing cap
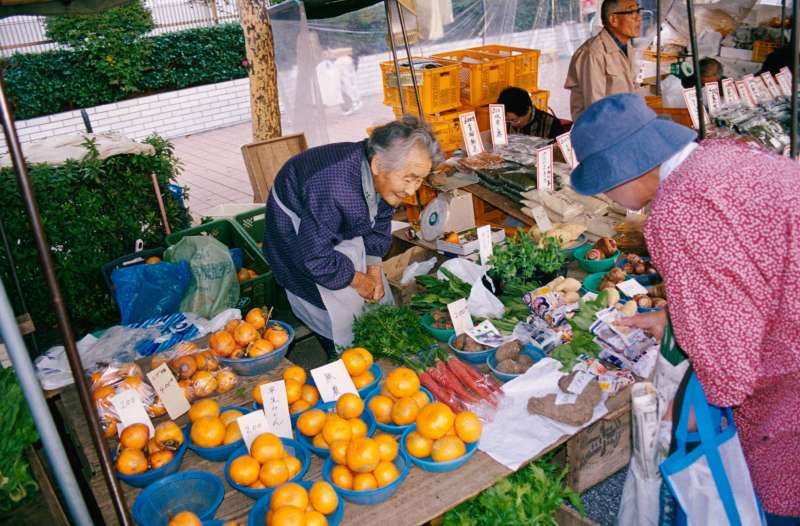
602	65
724	233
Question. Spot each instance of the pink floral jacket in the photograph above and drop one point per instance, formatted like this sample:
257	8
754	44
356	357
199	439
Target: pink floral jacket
724	231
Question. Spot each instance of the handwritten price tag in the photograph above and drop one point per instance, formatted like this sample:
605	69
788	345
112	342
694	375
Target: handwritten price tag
169	391
497	122
745	94
485	243
544	168
459	315
470	133
565	145
758	89
631	288
690	97
276	408
251	425
130	410
713	97
784	78
772	86
333	381
729	91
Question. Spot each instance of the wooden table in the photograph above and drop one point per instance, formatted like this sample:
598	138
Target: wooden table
423	496
482	196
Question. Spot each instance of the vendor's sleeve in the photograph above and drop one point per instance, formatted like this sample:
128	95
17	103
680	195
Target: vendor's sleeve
377	242
593	78
317	237
713	298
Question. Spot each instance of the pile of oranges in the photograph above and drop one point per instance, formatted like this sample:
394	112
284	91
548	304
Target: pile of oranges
291	505
358	361
365	463
248	338
267	465
210	428
187	518
442	434
199	374
300	395
140	452
107	382
335	430
400	399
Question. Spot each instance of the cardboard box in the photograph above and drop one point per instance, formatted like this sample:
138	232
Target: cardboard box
394	267
470	247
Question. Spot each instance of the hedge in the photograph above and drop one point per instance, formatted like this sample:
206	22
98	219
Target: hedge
93	212
57	81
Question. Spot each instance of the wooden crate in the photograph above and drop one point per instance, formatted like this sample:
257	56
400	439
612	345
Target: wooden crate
600	450
566	516
679	115
265	158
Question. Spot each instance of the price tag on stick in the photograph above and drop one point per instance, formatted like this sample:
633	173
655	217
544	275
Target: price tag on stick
459	315
772	86
565	145
169	391
745	94
471	134
784	78
713	98
729	91
251	425
544	168
485	243
276	408
130	409
497	122
333	381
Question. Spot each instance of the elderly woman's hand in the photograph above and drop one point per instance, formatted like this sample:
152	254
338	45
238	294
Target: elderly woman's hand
376	273
652	323
364	285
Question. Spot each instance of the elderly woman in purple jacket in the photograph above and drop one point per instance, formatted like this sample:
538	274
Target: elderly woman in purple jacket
328	223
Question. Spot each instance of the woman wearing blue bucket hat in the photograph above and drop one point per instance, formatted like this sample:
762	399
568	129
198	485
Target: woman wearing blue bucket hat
724	232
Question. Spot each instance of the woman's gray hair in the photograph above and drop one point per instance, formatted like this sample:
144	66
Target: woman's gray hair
393	141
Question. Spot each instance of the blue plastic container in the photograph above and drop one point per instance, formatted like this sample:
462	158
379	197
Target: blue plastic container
437	467
471	357
264	363
528	349
293	447
373	496
258	513
219	453
330	407
197	491
594	265
391	428
645	279
371	387
148	477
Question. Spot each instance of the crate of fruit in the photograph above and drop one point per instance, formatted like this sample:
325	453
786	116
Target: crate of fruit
525	73
483	76
438	84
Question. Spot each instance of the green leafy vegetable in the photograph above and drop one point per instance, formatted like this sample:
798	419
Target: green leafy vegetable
438	293
16	433
530	496
394	333
582	340
521	260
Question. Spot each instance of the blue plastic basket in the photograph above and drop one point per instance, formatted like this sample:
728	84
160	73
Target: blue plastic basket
219	453
373	496
470	357
645	279
148	477
371	387
330	407
391	428
264	363
437	467
293	447
529	349
258	513
197	491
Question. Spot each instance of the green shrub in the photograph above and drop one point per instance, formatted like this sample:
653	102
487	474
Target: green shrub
93	212
176	60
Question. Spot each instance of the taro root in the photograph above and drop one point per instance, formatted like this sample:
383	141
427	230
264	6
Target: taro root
507	366
524	361
472	346
460	341
508	351
633	259
607	246
616	275
659	303
606	284
644	301
593	255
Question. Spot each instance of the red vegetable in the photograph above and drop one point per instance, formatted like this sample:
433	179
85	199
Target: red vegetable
479	381
443	375
462	374
440	393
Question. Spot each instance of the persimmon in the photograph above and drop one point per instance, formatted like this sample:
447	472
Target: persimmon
161	458
131	462
231	326
349	406
226	380
135	436
244	470
245	334
208	431
256	318
184	366
201	408
323	497
204	383
259	347
363	455
276	335
102	396
222	343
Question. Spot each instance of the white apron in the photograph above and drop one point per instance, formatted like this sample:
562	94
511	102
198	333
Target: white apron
342	306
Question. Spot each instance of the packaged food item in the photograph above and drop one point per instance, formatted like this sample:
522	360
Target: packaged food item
108	380
197	370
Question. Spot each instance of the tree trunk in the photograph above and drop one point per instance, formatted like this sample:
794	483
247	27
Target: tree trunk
263	73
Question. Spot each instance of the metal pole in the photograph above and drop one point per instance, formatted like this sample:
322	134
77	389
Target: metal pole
56	456
161	208
410	60
795	68
15	278
698	89
658	47
783	17
394	55
64	324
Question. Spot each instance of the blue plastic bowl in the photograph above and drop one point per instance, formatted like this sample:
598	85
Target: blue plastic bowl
219	453
330	407
368	389
262	364
591	283
293	447
148	477
437	467
594	265
391	428
645	279
529	349
197	491
471	357
258	513
569	251
441	335
373	496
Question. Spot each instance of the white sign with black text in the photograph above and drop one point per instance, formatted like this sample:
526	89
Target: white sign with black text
544	168
497	123
471	134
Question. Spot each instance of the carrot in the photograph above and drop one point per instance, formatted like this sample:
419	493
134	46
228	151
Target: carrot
440	393
442	375
469	380
479	382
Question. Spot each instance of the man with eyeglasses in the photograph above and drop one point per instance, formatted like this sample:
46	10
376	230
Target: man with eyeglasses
602	65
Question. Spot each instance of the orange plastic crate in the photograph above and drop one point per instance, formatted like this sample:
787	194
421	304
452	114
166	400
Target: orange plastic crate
762	48
439	88
540	99
525	73
483	76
